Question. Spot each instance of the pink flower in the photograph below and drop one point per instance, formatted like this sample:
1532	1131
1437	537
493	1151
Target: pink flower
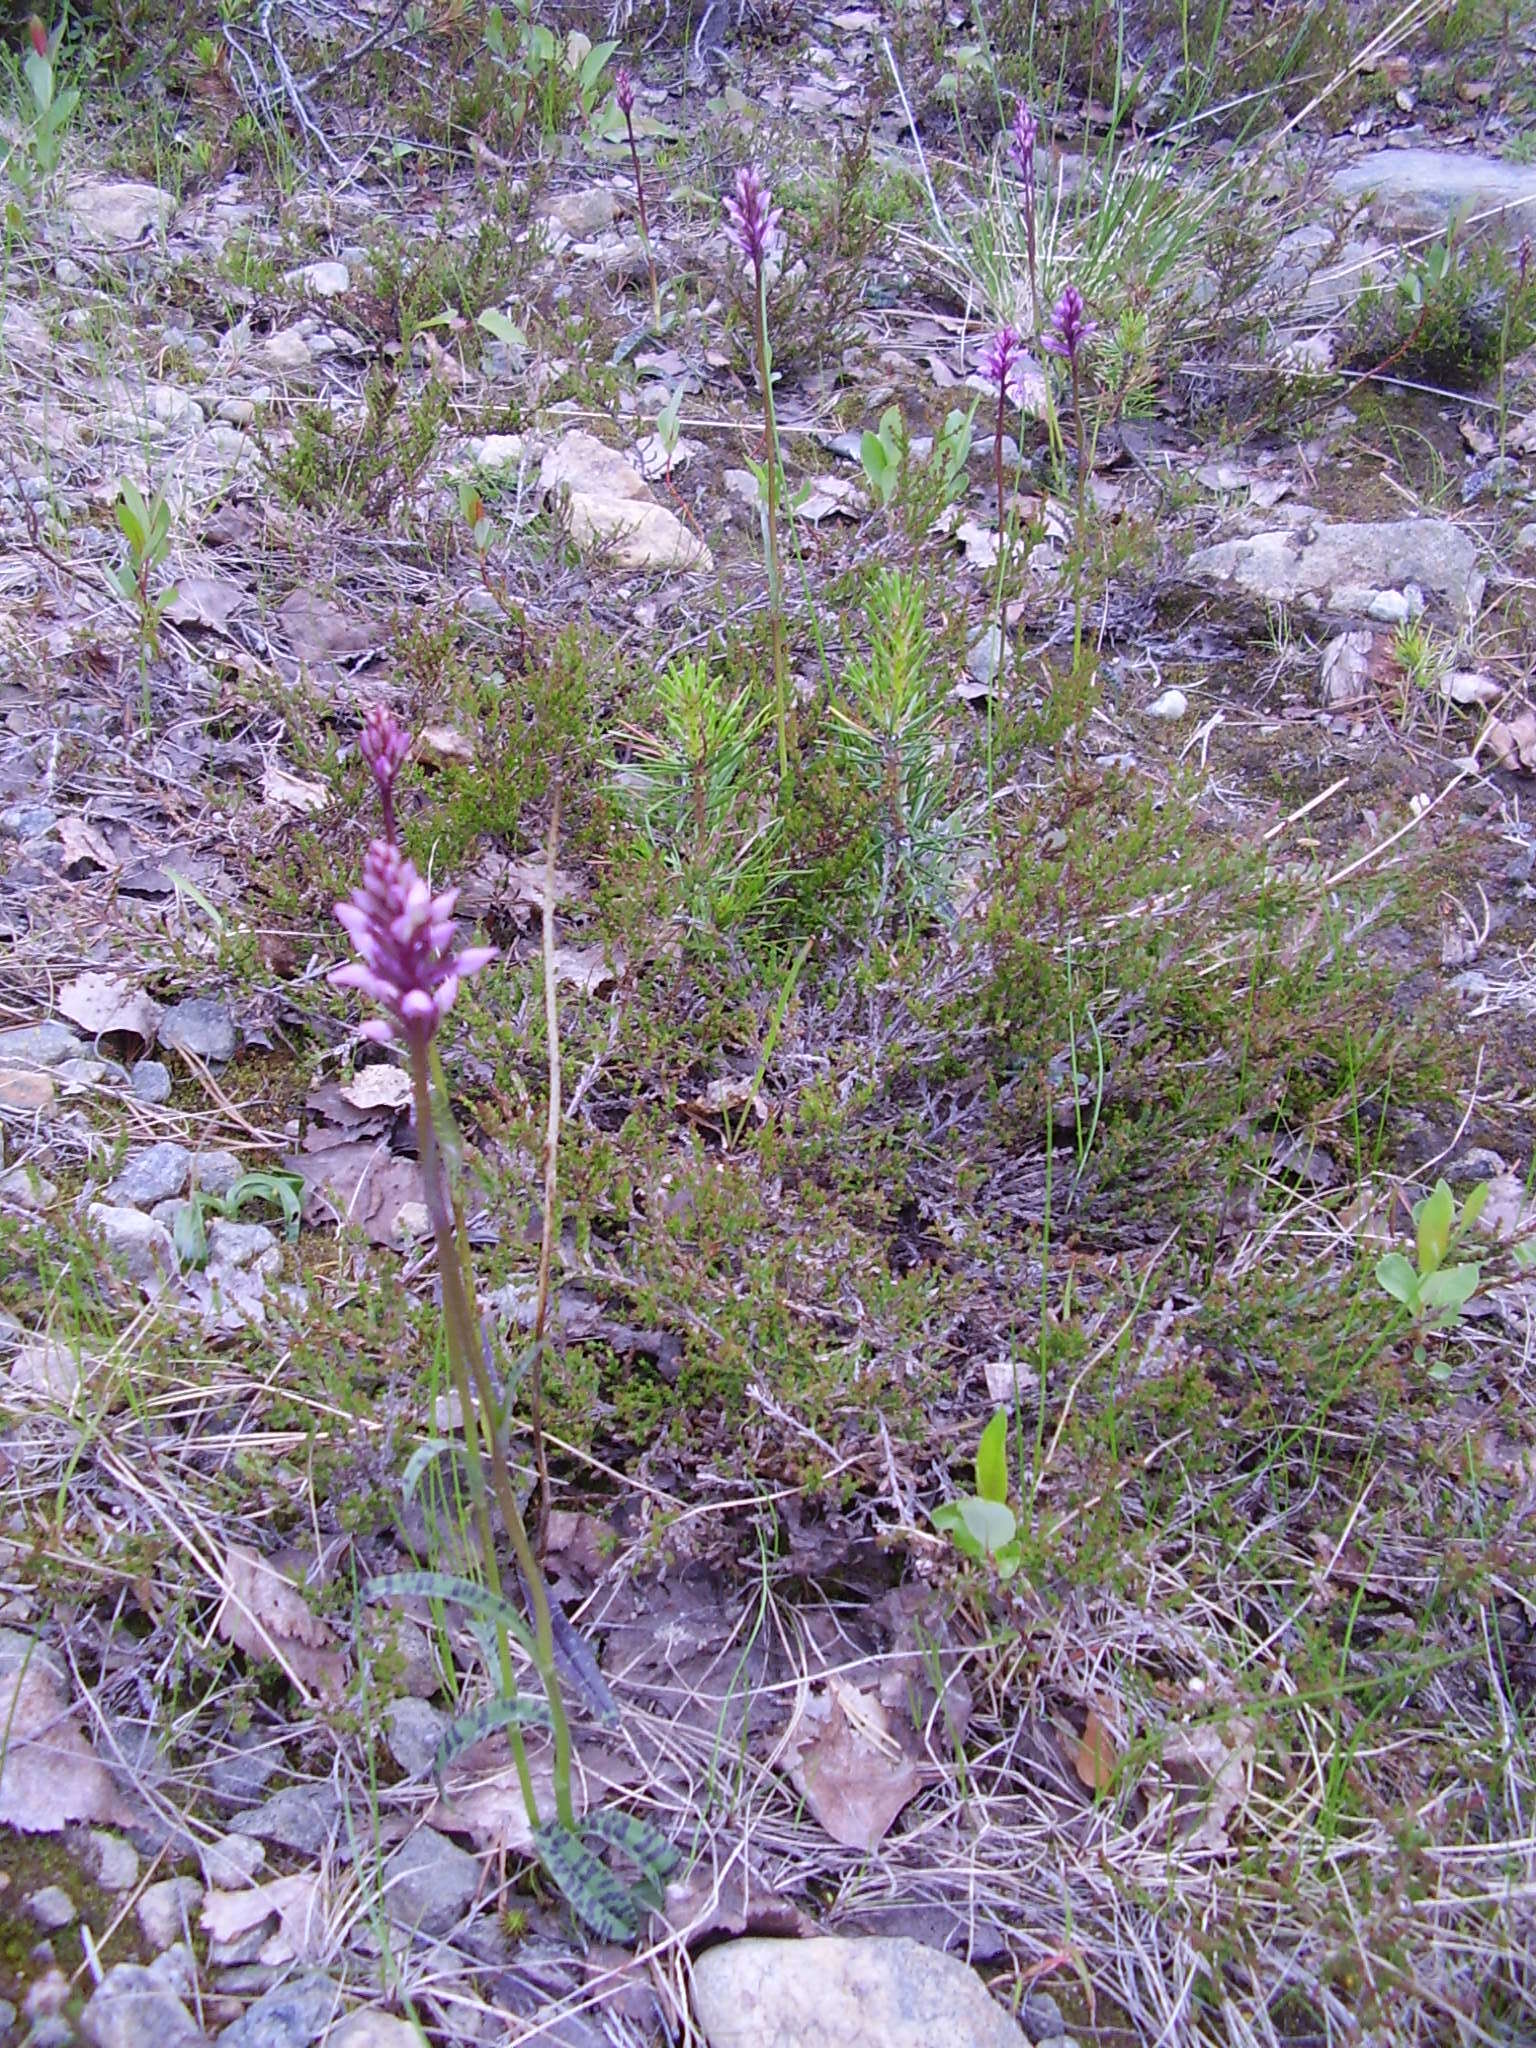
754	218
1070	328
384	745
1021	143
1000	357
403	935
624	92
39	35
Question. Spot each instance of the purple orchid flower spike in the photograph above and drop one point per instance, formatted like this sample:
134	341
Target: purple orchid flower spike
1070	329
384	745
624	92
1000	358
1021	141
754	218
403	935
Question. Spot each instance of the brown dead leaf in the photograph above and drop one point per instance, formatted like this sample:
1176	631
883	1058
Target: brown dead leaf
1351	663
727	1092
318	630
265	1615
587	969
296	1903
380	1086
25	1091
1206	1770
848	1764
1093	1753
49	1775
482	1798
208	601
1511	743
1477	437
436	744
106	1003
282	791
359	1182
83	845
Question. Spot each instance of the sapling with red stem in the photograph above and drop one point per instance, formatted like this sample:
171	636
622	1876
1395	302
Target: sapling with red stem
754	223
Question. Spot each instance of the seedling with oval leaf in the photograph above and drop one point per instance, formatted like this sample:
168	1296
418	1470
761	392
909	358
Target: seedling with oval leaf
981	1525
1433	1292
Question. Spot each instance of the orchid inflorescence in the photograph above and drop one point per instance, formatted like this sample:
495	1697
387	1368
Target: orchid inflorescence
754	218
1000	356
404	937
1070	329
1021	141
384	745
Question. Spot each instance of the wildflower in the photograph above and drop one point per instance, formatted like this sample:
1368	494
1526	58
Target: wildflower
403	935
39	35
384	746
1021	142
1070	328
1000	357
754	218
624	92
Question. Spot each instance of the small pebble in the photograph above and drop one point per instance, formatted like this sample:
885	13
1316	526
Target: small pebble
1171	704
150	1081
52	1908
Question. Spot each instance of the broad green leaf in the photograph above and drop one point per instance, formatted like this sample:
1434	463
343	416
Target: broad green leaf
950	1518
456	1592
502	327
645	1845
416	1465
1450	1287
1472	1207
1434	1216
596	1895
1006	1560
473	1727
1398	1277
988	1523
189	1236
992	1459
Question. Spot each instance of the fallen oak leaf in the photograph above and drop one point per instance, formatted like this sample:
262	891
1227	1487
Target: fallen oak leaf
49	1774
265	1615
1094	1754
297	1903
853	1772
105	1003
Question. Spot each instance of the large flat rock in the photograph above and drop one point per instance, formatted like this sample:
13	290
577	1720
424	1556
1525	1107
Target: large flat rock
1424	189
879	1993
1344	566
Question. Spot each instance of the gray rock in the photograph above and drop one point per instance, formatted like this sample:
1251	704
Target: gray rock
23	1187
1347	565
236	1245
985	656
1525	539
168	1911
8	2019
118	209
289	2016
327	280
583	214
1170	704
111	1861
39	1045
215	1172
137	1242
1424	189
413	1732
87	1073
302	1817
202	1026
1040	2016
157	1174
369	2028
243	1775
27	821
132	2007
52	1908
878	1993
231	1861
150	1081
430	1883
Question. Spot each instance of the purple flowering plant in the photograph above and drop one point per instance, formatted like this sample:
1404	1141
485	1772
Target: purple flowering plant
1022	137
410	965
624	96
754	224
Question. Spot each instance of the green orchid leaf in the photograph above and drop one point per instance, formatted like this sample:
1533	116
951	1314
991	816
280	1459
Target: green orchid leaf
992	1459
